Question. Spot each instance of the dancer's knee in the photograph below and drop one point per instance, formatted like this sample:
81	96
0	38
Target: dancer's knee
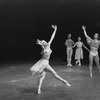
43	74
90	64
55	74
97	62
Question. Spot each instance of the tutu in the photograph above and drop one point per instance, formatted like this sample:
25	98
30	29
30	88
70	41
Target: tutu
39	66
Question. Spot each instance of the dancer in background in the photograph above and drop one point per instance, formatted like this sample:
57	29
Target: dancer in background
94	45
79	51
69	44
42	66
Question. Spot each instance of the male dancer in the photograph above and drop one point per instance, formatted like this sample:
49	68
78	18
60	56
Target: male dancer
69	44
94	45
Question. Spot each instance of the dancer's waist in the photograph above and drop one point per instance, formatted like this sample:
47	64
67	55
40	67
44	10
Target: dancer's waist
94	52
69	48
46	58
94	49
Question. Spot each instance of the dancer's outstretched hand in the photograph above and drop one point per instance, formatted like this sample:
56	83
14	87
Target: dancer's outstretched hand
54	26
83	27
38	41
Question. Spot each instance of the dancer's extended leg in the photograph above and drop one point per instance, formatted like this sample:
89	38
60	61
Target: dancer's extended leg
52	71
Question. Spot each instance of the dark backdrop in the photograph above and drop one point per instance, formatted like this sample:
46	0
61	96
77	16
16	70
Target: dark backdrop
23	21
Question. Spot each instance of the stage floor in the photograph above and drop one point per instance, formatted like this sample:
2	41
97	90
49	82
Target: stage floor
16	83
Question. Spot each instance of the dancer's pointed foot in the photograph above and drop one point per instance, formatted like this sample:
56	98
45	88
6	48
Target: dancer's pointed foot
76	62
39	92
69	64
90	75
67	83
79	64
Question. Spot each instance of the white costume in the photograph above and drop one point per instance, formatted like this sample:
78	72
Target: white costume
79	51
43	62
69	43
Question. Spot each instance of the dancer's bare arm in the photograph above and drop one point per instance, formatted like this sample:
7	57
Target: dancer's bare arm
66	43
75	44
85	33
53	34
85	47
99	42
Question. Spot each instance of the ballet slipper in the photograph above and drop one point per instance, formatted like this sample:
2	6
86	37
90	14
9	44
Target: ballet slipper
76	62
67	83
69	64
90	75
39	92
79	65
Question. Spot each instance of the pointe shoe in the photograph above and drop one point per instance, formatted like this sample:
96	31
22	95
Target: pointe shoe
90	75
67	83
39	92
76	62
79	65
69	64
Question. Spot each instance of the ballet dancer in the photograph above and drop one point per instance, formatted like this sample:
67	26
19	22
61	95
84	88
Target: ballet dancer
42	66
94	46
69	51
79	51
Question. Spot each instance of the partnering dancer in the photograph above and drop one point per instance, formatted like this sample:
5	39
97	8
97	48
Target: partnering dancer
79	51
69	44
94	45
42	66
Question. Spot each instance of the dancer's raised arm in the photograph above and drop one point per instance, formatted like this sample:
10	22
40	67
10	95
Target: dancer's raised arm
89	40
53	35
85	33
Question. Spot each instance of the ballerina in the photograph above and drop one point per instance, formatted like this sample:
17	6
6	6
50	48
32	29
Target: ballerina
79	51
42	66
